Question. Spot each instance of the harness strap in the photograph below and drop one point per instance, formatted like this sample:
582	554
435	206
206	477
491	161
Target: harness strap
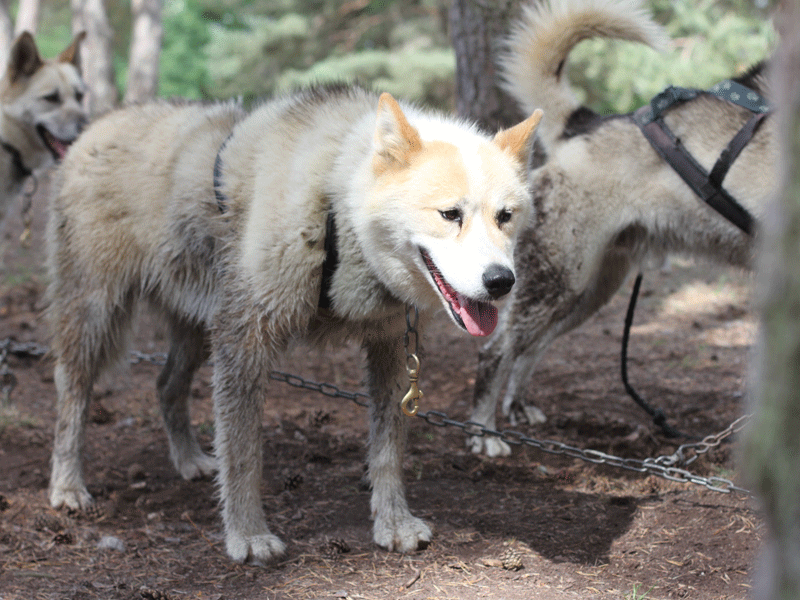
675	154
16	160
736	145
707	186
330	263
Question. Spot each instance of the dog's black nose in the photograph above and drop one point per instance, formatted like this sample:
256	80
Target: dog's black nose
498	280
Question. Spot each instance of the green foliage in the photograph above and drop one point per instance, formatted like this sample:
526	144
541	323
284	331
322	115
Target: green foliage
710	41
395	46
183	67
256	48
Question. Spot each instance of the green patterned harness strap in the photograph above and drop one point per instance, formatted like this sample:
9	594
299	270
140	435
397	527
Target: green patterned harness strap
728	90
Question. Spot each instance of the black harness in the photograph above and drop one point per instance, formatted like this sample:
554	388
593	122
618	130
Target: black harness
707	185
331	261
20	170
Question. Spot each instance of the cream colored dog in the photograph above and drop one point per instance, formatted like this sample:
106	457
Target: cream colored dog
41	111
218	218
605	201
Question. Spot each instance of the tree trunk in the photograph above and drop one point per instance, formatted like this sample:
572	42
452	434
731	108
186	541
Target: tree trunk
773	443
96	54
6	34
27	17
145	50
477	28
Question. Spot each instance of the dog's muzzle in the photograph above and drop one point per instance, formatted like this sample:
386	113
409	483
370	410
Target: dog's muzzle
498	280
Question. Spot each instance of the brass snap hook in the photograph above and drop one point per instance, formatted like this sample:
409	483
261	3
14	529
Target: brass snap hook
410	402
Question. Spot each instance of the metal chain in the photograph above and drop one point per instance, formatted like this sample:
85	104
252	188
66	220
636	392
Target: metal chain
663	466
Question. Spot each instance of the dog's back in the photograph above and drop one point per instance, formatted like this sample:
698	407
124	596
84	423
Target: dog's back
117	187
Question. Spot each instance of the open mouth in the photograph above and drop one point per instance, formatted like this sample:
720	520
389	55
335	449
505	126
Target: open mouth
57	147
474	316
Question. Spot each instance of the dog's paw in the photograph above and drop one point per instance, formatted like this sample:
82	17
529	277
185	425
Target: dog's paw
520	413
404	534
488	445
254	549
197	466
73	498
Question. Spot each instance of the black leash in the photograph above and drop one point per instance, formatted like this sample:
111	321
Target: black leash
659	418
708	186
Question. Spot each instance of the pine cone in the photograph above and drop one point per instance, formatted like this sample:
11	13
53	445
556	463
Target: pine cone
93	512
149	594
64	538
48	522
512	560
333	548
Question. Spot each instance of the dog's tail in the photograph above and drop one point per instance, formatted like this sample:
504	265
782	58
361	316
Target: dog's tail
532	63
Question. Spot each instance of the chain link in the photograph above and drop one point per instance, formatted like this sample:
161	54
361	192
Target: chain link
665	467
662	466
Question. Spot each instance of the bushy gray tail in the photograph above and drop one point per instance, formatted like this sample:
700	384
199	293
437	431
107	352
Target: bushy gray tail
532	66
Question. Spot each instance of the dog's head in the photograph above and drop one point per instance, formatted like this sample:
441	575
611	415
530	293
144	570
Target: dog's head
448	203
42	100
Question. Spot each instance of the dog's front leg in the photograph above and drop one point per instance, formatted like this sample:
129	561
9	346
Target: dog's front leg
395	528
240	372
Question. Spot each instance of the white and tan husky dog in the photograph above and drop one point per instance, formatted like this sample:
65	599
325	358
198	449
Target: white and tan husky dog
218	218
41	111
604	199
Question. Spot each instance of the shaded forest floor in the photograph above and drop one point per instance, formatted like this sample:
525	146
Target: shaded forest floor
529	526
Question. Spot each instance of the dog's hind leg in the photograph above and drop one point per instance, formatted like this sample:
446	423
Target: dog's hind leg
187	353
89	335
395	528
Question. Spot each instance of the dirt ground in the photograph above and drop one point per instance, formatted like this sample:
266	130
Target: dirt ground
532	525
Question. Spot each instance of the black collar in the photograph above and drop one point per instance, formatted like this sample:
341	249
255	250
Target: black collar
20	170
708	186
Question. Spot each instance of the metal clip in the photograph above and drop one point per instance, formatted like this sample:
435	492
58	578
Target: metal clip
414	394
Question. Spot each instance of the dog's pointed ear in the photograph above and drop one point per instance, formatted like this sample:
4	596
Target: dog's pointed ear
516	140
396	140
72	53
23	58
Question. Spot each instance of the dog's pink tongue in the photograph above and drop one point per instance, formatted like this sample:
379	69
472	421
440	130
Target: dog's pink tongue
59	146
480	318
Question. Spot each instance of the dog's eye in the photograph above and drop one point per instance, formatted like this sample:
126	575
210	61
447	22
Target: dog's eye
504	216
54	97
79	96
451	214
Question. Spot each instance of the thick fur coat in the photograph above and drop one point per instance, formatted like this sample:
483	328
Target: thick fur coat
218	219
